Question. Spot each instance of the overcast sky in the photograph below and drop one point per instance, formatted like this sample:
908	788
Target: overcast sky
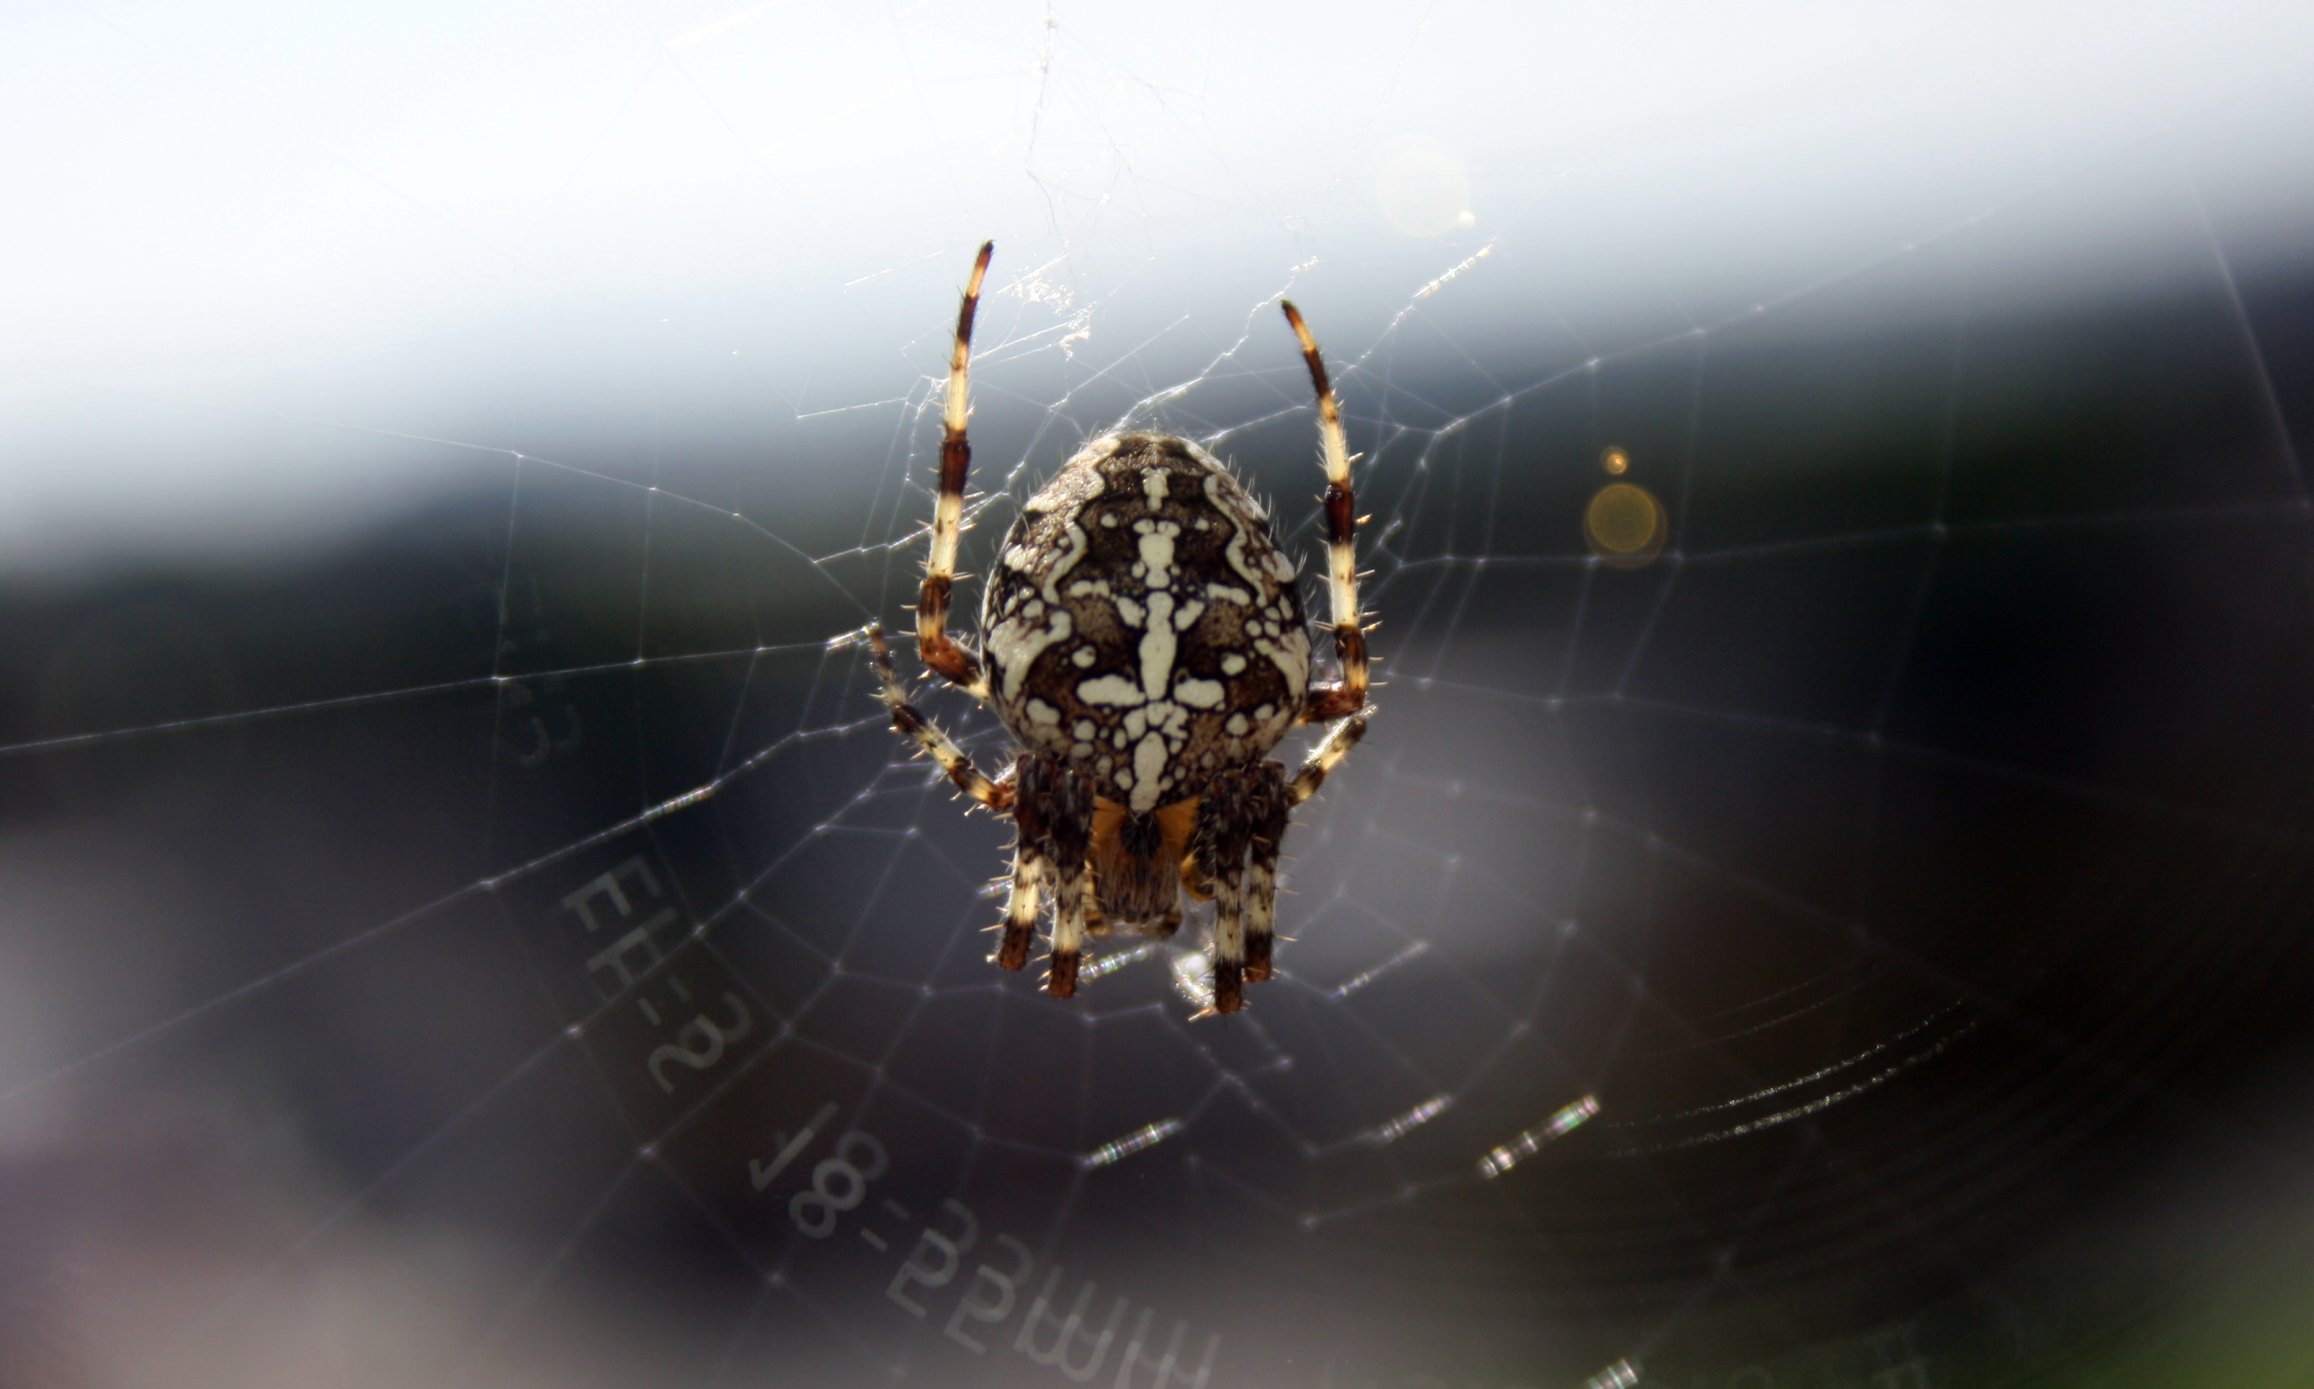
259	205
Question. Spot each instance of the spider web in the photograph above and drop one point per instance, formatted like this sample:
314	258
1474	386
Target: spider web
491	934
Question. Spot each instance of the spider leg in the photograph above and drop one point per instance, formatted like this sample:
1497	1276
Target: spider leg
1069	933
928	736
1267	825
1324	758
1072	841
940	652
1054	809
1030	870
1223	835
1348	695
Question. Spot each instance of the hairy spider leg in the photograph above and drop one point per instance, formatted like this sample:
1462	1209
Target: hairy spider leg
1031	863
1347	696
928	736
1267	818
940	652
1324	758
1225	827
1030	872
1054	811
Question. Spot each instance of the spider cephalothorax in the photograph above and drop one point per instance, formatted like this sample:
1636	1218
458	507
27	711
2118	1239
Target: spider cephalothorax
1143	639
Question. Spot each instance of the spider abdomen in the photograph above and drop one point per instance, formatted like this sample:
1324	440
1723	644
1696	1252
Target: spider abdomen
1142	626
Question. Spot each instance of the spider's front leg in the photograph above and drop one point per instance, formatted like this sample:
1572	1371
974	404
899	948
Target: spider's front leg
1346	696
1053	808
940	652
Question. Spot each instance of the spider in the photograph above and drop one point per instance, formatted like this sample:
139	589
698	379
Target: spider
1142	639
